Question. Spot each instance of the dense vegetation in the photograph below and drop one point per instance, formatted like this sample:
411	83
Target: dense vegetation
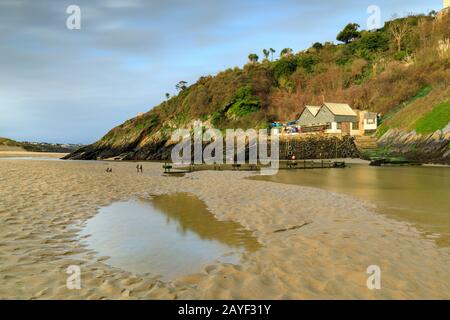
399	71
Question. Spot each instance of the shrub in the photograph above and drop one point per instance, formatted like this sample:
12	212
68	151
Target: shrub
374	41
243	103
284	68
307	62
217	118
401	55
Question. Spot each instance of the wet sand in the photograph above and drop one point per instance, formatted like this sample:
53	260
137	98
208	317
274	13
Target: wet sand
415	194
44	205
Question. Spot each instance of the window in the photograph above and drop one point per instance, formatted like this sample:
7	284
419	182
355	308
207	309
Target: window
370	121
339	125
329	126
355	125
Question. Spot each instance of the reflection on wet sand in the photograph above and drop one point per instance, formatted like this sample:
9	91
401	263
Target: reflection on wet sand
170	235
191	214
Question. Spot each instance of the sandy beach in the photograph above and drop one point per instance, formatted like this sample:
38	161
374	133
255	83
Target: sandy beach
44	205
26	154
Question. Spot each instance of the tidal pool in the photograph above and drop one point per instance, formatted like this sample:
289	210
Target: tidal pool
170	235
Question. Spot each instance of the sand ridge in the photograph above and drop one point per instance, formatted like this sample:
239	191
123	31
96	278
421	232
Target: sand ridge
43	205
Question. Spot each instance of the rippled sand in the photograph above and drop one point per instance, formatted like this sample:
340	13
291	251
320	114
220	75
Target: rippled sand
43	204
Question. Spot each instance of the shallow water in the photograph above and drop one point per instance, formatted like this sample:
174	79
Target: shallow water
420	195
170	235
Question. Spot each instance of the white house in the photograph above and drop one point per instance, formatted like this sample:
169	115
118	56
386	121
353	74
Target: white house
368	121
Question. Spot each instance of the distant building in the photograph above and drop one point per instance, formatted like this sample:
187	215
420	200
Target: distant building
368	122
337	118
446	4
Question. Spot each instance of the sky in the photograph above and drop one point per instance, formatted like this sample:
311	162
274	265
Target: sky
73	86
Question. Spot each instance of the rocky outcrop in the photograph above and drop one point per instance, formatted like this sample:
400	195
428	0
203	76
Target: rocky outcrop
152	151
429	148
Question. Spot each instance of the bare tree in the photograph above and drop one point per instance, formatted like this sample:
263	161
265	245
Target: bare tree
399	29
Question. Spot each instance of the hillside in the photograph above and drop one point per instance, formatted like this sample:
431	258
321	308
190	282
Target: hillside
401	71
11	145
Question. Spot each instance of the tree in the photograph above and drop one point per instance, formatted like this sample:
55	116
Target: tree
318	46
253	57
349	33
272	51
286	52
167	96
399	29
373	41
181	86
266	54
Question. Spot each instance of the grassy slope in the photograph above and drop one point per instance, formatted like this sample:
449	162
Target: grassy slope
10	145
425	113
436	119
365	73
9	142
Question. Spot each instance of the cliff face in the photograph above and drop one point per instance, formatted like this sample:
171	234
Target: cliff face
369	73
430	148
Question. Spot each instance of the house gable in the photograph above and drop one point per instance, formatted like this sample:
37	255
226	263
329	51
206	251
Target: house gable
324	116
306	118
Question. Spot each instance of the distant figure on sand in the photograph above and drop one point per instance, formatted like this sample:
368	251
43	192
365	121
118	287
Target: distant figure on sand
139	168
108	169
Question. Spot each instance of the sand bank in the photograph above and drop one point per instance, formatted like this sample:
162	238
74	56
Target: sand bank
26	154
43	205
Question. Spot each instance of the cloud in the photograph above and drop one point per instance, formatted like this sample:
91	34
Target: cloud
74	85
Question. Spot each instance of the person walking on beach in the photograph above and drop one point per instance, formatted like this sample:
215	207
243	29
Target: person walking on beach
140	168
137	168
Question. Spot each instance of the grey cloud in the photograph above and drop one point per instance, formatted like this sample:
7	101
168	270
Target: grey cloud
72	86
